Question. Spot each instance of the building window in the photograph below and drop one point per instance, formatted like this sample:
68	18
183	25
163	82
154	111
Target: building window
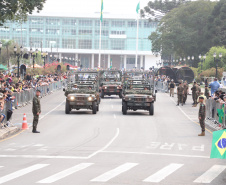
53	31
103	32
36	21
104	23
52	42
35	42
118	23
85	32
85	23
104	44
55	22
4	30
150	24
68	43
133	24
118	32
117	44
69	22
85	44
36	30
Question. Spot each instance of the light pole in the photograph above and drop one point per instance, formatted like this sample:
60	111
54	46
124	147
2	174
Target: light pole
0	47
202	59
217	60
18	55
190	58
44	56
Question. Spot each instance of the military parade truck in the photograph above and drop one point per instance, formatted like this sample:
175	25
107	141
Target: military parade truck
83	93
110	83
139	92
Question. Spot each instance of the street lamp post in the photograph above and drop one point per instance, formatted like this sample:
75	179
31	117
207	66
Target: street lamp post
202	59
44	56
34	54
18	55
217	60
0	47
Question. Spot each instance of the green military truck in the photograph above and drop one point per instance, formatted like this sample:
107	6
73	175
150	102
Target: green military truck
110	83
83	93
139	92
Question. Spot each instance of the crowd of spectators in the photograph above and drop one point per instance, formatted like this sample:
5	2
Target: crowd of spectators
9	85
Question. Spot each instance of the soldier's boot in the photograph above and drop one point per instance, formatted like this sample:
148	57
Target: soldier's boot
202	134
35	131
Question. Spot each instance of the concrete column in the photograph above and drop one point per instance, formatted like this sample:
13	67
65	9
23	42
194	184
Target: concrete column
109	61
125	58
92	65
141	61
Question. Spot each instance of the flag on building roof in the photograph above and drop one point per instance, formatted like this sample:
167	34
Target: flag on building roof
219	145
101	13
138	7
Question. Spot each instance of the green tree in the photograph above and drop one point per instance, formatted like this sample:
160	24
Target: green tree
181	31
217	25
18	9
209	62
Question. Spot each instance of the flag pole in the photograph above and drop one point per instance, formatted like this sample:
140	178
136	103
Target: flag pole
100	45
138	10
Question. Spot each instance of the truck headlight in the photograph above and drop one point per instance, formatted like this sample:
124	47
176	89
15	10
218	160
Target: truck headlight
90	98
72	98
105	87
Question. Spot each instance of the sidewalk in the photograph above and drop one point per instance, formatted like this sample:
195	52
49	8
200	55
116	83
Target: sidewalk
17	116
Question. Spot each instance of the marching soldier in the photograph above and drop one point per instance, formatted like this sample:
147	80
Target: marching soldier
198	90
180	94
207	92
36	109
185	91
202	115
194	94
171	87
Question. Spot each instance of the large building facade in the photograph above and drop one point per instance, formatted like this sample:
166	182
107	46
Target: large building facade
76	38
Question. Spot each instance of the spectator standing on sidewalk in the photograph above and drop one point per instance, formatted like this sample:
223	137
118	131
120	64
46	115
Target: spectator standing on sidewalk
36	109
214	86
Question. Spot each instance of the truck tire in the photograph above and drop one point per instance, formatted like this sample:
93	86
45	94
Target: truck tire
151	109
124	108
98	107
94	107
67	108
120	95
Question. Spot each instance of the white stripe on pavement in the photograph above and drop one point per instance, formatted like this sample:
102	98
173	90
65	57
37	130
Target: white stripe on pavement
21	172
115	172
211	174
163	173
65	173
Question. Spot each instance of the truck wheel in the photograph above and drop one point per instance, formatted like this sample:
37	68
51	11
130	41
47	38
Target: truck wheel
124	108
151	110
94	107
67	108
102	94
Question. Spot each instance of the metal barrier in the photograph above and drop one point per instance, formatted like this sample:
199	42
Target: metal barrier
162	86
25	97
212	113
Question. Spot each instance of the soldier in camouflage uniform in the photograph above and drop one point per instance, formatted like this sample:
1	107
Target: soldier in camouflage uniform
185	91
207	92
180	94
36	109
194	94
202	115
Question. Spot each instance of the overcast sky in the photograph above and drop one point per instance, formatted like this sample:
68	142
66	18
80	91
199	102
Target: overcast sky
91	6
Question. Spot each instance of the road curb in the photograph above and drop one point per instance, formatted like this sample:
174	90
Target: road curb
9	131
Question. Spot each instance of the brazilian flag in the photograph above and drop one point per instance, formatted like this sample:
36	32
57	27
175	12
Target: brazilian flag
219	145
221	114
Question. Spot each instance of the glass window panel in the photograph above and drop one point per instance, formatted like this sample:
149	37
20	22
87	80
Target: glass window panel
85	22
85	44
118	23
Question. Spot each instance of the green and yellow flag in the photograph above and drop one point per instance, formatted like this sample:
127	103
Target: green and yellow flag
138	7
219	145
102	8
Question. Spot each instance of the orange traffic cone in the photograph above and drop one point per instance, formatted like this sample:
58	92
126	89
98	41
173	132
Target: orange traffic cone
24	124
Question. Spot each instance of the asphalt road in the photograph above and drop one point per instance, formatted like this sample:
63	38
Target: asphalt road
110	148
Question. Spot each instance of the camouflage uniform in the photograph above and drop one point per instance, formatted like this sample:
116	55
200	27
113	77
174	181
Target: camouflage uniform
207	93
180	92
194	94
36	108
202	115
198	90
185	93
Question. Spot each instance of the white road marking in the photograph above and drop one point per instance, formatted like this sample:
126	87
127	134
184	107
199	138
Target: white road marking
158	154
114	116
21	173
211	174
65	173
112	106
163	173
38	145
1	166
10	149
115	172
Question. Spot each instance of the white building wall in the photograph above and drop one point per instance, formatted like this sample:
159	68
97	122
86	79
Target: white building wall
150	60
